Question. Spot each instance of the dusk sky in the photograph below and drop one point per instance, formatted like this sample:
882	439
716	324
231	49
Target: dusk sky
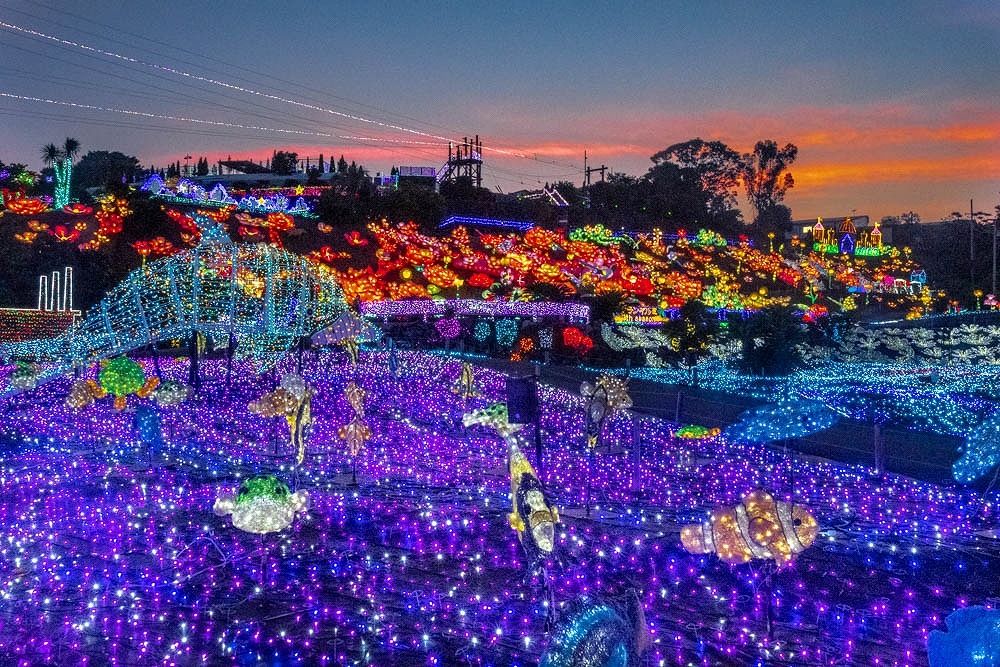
894	106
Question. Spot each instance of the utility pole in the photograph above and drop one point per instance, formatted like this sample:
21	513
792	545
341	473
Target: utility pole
589	170
972	245
996	214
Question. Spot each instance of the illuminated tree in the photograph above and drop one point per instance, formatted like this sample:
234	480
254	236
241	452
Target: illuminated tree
61	161
104	169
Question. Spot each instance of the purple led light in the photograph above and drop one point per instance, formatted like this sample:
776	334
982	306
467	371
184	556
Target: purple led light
520	225
108	558
383	309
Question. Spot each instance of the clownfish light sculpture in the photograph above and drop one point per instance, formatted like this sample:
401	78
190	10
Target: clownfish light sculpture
759	527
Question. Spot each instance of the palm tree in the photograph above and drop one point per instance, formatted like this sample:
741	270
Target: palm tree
51	154
71	147
61	161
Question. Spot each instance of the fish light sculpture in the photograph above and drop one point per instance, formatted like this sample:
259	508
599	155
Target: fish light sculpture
759	527
263	505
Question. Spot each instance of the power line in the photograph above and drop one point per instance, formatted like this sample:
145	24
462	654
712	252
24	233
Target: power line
145	39
252	91
201	121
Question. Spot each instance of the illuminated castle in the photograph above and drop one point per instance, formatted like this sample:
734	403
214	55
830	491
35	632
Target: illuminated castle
846	236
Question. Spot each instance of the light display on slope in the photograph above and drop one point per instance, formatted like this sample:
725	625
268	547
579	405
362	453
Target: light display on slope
659	271
981	451
574	311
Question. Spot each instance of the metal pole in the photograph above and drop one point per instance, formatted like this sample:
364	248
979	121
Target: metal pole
972	266
997	215
538	449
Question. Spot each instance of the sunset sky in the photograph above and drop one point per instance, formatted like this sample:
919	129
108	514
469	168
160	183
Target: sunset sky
894	106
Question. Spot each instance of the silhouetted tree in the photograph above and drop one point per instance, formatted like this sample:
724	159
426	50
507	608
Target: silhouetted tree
765	174
768	340
908	218
284	163
100	169
716	165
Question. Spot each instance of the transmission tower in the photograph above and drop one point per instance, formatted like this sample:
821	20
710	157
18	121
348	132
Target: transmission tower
464	160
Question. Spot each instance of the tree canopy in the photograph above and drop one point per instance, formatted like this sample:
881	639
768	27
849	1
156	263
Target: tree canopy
716	166
103	169
284	163
766	176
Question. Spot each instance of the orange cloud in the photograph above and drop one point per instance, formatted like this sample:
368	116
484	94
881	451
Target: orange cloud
853	155
884	171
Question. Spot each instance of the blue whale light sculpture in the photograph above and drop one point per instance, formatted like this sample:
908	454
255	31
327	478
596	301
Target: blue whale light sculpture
266	297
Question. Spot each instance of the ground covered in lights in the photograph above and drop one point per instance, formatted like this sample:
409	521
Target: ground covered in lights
110	552
955	402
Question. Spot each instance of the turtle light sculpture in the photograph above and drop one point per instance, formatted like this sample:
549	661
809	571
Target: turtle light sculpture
82	393
759	527
121	377
263	505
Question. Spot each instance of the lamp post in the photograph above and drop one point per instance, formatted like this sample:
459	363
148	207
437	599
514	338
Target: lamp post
979	296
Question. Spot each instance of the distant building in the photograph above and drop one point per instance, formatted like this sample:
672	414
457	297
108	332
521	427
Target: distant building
421	177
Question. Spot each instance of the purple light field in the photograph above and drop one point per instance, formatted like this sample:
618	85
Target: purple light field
111	554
